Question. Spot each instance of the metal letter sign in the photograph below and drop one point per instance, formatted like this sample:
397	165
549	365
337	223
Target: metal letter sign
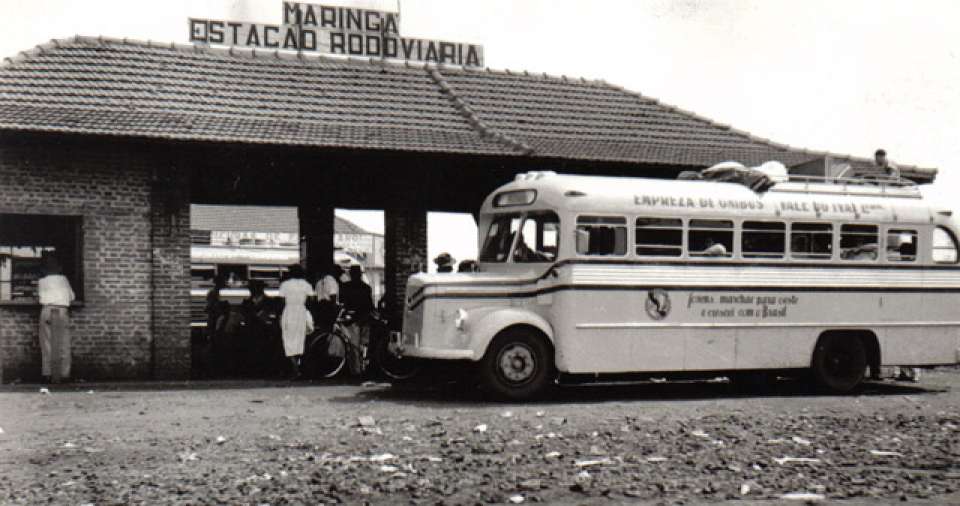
337	30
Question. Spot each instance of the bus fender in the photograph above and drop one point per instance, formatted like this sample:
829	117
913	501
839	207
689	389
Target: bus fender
490	322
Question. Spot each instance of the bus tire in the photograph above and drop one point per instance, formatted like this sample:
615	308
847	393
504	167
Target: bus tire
839	362
518	365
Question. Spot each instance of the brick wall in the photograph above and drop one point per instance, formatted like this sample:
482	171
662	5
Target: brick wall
134	321
405	251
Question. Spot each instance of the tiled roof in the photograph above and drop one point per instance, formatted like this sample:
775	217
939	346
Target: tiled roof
142	89
257	219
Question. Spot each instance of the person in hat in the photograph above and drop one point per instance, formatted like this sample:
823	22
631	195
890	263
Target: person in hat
444	262
55	297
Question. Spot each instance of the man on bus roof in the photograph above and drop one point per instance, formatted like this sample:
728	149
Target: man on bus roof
886	168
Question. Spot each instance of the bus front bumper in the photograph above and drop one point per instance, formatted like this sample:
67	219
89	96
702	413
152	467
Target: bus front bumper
402	349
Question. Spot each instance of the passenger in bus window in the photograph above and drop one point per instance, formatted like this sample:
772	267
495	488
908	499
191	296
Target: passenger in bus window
713	249
866	251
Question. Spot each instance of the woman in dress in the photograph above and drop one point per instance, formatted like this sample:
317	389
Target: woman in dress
295	320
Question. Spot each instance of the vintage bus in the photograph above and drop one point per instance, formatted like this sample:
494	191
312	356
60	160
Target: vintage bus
597	277
237	265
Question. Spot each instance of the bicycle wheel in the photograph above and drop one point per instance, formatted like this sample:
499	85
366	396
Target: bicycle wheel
394	367
325	356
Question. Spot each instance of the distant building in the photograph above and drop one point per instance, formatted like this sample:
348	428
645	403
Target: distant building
244	242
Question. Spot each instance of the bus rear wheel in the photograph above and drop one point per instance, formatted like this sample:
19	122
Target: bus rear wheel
517	366
839	362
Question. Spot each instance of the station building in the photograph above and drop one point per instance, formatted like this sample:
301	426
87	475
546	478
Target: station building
104	145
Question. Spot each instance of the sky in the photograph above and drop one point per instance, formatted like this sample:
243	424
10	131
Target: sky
846	76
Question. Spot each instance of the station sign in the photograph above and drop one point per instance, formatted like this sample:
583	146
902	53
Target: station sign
337	30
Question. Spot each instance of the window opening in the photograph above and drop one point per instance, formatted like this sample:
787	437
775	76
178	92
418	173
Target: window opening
944	247
539	238
811	241
601	235
710	238
27	242
763	239
859	242
659	237
901	245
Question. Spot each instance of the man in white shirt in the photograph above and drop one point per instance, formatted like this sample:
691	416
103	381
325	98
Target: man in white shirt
55	298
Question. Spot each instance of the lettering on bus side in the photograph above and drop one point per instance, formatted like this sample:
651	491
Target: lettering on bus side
797	206
741	305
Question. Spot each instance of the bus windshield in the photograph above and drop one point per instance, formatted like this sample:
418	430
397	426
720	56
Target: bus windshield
539	238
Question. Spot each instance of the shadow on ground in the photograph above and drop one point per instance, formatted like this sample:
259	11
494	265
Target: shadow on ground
454	393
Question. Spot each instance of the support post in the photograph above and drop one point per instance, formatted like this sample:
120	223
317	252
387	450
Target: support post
406	253
316	236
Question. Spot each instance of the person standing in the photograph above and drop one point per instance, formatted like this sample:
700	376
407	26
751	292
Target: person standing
214	306
295	321
444	262
328	294
55	298
357	298
887	169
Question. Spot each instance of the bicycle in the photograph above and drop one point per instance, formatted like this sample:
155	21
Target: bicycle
327	352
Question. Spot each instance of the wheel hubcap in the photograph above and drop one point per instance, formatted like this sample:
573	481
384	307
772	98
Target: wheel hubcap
517	363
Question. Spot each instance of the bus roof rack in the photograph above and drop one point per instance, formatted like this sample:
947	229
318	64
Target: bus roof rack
774	176
874	186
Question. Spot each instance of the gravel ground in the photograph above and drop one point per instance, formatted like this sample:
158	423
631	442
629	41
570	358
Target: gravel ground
277	443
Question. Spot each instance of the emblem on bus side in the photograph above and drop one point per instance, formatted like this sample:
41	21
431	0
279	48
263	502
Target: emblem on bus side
657	303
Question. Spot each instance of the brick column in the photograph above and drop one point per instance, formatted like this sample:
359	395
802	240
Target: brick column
405	252
170	273
316	236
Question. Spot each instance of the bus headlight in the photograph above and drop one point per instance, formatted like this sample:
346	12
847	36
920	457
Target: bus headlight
461	319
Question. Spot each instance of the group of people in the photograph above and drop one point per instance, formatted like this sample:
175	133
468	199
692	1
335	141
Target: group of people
445	263
301	309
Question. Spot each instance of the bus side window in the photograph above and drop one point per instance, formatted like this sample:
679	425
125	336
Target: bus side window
601	235
901	245
944	246
811	240
538	240
763	239
659	237
859	242
710	238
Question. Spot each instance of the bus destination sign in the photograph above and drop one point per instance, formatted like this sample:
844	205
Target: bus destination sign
335	30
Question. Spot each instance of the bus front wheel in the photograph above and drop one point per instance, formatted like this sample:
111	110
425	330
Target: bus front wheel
518	365
839	362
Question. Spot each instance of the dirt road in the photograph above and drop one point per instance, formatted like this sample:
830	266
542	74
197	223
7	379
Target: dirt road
277	443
